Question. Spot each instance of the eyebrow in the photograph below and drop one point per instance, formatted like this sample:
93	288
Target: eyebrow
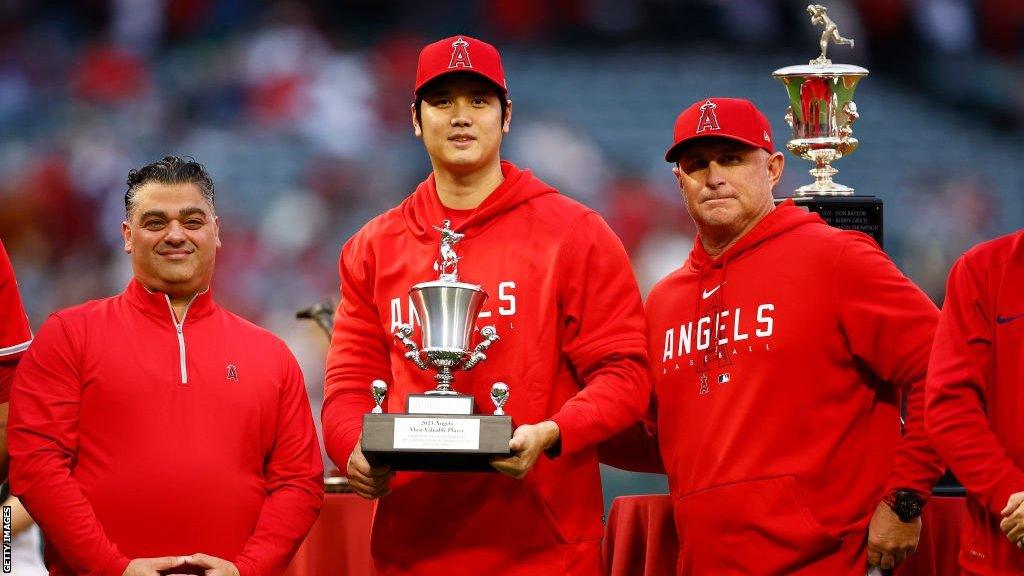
182	214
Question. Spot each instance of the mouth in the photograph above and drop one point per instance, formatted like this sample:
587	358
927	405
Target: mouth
175	254
461	140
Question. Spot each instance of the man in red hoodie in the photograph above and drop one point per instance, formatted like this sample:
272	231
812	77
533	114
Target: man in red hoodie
780	351
974	400
154	431
572	347
15	336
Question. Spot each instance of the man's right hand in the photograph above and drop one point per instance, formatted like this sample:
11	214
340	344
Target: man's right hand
370	482
152	566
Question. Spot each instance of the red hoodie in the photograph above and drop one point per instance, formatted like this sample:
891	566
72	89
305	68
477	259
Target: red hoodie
572	350
15	334
778	369
132	436
975	395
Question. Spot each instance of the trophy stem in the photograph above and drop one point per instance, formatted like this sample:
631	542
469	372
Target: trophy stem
823	172
444	381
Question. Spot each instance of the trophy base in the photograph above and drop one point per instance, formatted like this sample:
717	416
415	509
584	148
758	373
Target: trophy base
435	442
860	213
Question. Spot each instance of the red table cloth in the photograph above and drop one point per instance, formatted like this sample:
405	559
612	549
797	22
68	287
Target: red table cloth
640	538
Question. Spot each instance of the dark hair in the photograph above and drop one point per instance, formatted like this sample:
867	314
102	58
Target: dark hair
169	170
502	99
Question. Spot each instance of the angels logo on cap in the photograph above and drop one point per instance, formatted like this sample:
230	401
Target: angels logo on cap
730	118
708	118
460	54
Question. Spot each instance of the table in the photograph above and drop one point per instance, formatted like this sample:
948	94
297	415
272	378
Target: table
640	538
339	542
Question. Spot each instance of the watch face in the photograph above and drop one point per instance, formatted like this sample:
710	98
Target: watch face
907	505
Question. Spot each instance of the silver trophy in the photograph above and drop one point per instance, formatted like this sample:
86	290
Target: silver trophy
821	112
447	310
440	430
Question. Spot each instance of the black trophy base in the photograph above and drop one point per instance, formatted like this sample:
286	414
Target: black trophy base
436	442
860	213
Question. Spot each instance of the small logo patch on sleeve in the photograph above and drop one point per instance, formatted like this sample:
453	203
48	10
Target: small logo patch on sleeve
232	372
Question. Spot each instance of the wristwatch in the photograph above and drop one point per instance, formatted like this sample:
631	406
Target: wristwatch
905	503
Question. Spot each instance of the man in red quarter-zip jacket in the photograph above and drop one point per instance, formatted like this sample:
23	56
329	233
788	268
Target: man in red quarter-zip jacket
15	336
572	348
154	431
975	398
780	350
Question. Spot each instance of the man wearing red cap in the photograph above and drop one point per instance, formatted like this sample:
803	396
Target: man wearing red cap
572	349
974	400
780	351
15	336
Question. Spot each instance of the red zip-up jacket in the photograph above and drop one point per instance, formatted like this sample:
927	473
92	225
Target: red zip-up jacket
572	350
778	370
132	435
975	395
15	334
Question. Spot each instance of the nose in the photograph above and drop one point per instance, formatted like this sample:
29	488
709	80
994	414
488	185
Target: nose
460	116
175	234
716	176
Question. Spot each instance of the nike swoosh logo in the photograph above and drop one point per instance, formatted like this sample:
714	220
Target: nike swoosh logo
1005	319
707	293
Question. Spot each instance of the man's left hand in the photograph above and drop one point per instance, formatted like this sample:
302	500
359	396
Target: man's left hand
211	565
890	540
527	442
1012	522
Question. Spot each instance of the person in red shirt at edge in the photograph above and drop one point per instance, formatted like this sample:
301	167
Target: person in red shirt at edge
15	336
154	431
572	350
975	397
780	351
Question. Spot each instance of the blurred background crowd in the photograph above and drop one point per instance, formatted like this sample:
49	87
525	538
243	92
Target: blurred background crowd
300	110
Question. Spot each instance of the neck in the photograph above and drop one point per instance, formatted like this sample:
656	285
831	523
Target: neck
180	305
467	191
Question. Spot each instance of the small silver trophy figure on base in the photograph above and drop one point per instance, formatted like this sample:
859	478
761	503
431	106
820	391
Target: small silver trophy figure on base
499	395
379	389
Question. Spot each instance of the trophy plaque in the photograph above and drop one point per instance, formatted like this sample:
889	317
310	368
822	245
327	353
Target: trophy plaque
441	431
821	115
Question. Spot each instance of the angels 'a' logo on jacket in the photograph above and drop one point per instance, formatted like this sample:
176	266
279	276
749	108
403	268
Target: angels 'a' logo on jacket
708	118
460	54
715	340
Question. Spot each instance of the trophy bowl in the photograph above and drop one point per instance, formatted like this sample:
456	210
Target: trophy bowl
821	115
447	313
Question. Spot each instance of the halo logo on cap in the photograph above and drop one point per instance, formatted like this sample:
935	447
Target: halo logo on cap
460	54
708	118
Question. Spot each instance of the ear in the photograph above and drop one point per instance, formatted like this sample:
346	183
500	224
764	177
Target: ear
685	180
416	130
776	162
216	231
126	233
508	117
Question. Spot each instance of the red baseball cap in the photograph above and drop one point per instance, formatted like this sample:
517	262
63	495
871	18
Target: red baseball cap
733	118
460	54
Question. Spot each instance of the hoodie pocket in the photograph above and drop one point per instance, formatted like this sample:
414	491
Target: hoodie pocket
754	527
